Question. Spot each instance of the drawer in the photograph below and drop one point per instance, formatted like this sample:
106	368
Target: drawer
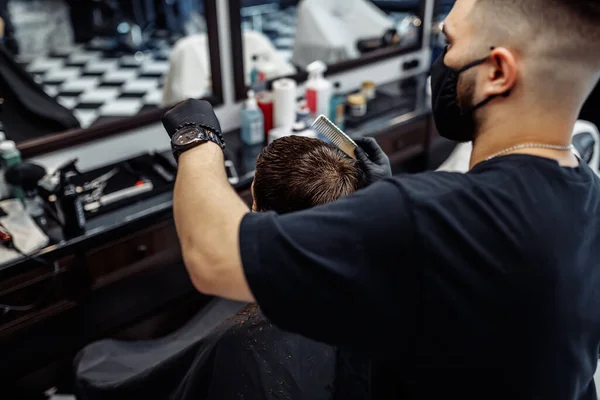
133	249
404	142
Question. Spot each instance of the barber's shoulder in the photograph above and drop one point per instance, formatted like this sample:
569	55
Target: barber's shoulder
430	185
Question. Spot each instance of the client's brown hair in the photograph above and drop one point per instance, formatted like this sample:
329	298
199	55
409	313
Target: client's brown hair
294	173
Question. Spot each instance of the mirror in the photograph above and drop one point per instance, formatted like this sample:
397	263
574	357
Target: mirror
282	37
105	65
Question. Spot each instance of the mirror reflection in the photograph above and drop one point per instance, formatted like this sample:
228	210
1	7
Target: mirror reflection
101	60
282	37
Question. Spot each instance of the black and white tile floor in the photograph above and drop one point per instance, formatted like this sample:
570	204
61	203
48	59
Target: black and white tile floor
98	84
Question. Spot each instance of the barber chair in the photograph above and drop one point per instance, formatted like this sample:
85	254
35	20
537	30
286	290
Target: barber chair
586	140
189	74
329	30
147	369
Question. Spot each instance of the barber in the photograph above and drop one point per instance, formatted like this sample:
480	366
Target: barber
483	285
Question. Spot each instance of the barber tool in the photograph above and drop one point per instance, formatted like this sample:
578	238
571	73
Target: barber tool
95	188
163	173
139	188
324	127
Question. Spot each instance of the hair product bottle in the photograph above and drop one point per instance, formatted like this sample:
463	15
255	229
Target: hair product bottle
255	70
11	156
318	89
253	124
338	107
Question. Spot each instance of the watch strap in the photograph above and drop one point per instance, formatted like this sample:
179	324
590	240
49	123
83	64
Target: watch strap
206	134
213	136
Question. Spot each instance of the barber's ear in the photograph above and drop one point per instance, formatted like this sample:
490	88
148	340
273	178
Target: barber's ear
501	74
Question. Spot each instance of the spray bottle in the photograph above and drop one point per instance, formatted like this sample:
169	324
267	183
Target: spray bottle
318	89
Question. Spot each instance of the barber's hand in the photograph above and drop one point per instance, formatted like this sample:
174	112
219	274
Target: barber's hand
191	112
375	162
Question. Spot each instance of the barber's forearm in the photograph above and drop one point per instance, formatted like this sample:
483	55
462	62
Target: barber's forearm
208	213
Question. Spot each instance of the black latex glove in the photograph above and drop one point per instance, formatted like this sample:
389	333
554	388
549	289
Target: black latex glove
375	162
192	112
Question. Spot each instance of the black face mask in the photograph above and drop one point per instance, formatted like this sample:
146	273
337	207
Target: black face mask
451	121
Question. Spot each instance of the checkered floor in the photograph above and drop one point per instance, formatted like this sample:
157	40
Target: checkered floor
98	84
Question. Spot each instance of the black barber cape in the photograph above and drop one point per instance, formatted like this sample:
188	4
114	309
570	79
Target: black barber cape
247	358
483	285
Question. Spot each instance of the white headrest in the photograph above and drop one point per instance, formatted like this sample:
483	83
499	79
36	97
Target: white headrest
588	127
459	160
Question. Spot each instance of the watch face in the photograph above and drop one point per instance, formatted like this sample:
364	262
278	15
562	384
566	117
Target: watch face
186	136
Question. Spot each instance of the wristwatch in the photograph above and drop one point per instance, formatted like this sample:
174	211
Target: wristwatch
190	124
190	136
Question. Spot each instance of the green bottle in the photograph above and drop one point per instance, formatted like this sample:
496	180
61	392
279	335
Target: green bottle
337	108
11	156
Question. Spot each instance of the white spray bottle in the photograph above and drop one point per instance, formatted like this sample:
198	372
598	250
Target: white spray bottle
318	89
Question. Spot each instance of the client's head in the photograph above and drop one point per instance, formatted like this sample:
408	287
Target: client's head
295	173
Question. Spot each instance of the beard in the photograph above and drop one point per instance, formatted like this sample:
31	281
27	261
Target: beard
466	96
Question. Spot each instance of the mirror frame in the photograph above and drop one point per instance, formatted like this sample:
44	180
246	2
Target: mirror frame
237	47
60	140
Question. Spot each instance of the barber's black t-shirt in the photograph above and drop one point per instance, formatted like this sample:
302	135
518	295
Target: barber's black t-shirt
483	285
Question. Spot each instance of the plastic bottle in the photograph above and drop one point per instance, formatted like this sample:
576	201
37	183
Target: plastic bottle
11	156
253	124
5	190
255	70
318	89
338	107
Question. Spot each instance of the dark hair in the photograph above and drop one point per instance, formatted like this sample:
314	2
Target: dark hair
575	22
295	172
